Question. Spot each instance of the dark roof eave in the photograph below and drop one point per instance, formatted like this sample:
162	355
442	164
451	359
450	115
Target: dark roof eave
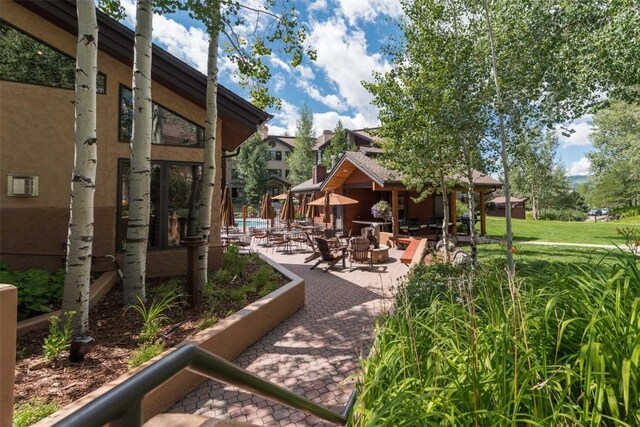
117	41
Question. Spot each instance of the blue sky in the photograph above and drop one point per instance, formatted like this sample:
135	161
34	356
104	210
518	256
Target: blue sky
348	36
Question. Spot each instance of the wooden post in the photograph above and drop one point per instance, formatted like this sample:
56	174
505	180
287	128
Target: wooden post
483	215
244	219
453	216
8	315
192	243
395	208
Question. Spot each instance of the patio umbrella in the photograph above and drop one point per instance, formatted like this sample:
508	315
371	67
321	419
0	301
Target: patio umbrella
334	200
326	217
266	210
226	210
310	212
303	205
280	196
288	213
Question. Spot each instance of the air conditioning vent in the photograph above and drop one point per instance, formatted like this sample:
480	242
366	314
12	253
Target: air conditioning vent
22	185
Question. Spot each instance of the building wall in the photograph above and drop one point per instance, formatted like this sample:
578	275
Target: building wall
37	137
271	164
517	212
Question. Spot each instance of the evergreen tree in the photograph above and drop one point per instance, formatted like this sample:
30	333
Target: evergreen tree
301	159
251	165
338	144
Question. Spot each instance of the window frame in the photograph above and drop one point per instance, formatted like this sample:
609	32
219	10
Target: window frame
122	86
55	49
163	206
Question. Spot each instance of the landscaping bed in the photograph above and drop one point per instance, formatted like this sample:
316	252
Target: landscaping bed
117	331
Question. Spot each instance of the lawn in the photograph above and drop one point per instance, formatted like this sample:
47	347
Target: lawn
561	231
531	259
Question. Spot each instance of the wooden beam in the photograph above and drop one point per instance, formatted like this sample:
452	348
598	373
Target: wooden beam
395	208
483	215
453	217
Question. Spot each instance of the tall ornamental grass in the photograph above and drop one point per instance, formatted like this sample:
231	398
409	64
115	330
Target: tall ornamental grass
556	347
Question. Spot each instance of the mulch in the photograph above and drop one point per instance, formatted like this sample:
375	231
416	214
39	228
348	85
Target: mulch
115	331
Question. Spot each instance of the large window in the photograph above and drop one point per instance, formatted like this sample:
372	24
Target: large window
168	127
275	172
275	155
24	59
173	198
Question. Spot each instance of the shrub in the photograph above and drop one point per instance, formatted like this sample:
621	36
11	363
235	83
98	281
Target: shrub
33	411
562	215
38	290
265	279
144	353
208	321
155	315
481	349
59	338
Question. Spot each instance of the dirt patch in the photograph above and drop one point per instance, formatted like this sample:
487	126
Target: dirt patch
116	333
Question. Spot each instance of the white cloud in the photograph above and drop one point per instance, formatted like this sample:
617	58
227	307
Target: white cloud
582	127
579	167
369	10
331	101
342	56
317	5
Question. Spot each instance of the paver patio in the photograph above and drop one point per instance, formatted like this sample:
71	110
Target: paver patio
314	352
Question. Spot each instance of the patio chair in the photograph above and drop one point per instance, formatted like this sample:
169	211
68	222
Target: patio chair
359	251
315	252
260	235
329	233
330	255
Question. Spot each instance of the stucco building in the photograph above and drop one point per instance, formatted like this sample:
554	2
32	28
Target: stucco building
37	134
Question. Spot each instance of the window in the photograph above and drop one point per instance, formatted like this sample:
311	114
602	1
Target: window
275	155
275	172
286	173
24	59
172	191
235	192
168	127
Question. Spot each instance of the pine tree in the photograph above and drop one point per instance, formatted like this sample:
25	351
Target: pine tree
338	144
301	159
251	165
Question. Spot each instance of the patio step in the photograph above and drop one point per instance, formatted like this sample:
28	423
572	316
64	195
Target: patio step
189	420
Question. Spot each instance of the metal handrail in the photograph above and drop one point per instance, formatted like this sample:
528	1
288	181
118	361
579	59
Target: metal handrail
124	401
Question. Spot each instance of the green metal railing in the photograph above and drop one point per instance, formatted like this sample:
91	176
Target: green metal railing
123	403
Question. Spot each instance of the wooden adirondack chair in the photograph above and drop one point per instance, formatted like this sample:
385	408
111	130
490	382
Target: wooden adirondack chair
359	251
330	255
315	252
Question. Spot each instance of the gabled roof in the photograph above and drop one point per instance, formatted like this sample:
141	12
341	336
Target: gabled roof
306	187
384	176
500	201
280	180
117	41
285	140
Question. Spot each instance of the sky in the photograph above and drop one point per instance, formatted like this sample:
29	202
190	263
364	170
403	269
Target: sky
348	36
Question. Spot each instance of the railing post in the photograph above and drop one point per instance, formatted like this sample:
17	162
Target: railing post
8	320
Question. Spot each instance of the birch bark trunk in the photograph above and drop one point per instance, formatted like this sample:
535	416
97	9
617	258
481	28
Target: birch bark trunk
445	210
210	167
80	235
472	206
503	144
135	257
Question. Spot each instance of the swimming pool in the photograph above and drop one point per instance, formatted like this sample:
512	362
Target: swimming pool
254	222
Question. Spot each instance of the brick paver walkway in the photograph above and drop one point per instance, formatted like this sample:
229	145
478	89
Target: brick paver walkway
314	352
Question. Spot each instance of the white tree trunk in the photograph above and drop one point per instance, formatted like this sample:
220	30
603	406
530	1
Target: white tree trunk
210	167
471	204
445	209
508	237
135	257
80	236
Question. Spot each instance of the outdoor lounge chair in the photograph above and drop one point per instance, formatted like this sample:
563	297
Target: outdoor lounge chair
359	251
315	252
330	255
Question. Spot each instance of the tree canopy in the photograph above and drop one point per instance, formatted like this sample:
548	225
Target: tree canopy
301	159
338	144
251	165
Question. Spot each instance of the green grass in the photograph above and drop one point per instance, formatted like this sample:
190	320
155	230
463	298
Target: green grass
559	345
145	352
33	411
536	257
561	231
